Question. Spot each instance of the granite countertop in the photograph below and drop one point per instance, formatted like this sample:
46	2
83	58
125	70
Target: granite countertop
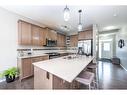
64	68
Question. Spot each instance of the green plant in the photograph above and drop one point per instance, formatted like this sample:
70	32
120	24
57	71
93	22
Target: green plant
11	72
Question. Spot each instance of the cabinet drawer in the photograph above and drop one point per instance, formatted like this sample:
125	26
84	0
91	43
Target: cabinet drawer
36	59
45	57
40	58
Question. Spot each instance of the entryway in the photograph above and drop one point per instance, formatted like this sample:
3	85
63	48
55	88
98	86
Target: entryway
106	49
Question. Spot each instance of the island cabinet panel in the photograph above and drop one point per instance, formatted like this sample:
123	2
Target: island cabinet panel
59	83
42	79
24	33
85	35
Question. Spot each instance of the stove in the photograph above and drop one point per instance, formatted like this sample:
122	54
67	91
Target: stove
53	55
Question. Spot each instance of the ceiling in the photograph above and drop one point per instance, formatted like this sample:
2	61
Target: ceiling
52	16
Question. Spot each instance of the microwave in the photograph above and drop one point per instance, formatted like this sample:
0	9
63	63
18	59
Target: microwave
51	42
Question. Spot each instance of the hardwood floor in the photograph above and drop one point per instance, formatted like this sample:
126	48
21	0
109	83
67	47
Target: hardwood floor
110	77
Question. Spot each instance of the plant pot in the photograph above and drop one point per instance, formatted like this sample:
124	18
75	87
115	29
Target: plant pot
9	79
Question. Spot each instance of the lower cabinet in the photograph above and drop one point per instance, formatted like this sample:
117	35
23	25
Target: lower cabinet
25	66
46	80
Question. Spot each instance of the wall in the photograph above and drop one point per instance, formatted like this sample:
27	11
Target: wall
8	38
122	52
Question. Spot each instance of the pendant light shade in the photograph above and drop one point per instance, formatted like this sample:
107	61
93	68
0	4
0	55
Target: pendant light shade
80	27
80	24
66	13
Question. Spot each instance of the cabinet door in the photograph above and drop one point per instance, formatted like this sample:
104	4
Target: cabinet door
81	35
88	34
41	37
26	67
61	40
45	36
58	39
73	40
35	35
24	33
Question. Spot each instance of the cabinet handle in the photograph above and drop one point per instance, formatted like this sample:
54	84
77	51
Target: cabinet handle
47	75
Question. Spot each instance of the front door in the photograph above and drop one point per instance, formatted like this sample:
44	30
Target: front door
106	49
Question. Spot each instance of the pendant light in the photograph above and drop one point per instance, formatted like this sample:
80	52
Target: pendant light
66	13
80	24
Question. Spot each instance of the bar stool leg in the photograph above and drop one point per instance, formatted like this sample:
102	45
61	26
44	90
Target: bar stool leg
89	86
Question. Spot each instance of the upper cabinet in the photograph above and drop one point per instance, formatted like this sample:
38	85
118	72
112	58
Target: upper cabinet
52	35
24	33
85	35
35	35
61	40
74	40
29	34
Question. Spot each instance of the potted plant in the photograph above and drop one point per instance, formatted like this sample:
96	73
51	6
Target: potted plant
10	74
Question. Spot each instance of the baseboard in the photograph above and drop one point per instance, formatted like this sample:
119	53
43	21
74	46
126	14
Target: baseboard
123	67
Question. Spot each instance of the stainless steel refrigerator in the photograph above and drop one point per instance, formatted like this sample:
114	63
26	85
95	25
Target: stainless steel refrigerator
85	47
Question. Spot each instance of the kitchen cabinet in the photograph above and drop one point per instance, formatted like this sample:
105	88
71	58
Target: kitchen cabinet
24	33
85	35
52	35
49	34
61	40
37	36
45	35
73	40
25	65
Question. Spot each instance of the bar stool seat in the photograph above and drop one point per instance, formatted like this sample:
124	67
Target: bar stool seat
86	78
92	66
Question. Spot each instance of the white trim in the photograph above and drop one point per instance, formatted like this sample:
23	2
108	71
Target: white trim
123	67
1	80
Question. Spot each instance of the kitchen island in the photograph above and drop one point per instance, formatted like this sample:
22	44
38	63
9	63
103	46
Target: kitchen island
59	73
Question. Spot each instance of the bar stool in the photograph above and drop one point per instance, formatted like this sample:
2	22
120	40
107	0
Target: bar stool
86	78
94	68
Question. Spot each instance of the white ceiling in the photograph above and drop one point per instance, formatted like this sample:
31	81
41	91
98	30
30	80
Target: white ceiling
52	16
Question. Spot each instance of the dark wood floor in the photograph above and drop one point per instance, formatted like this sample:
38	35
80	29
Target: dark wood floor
110	77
